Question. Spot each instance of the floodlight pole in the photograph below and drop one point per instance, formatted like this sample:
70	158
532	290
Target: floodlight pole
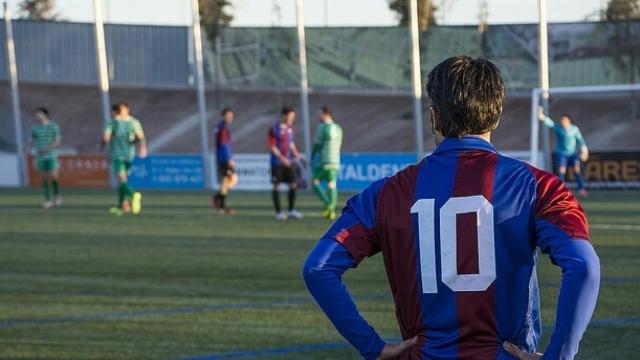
543	68
304	84
23	174
101	56
200	88
326	13
416	80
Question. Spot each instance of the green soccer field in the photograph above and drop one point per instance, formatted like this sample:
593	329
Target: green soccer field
180	281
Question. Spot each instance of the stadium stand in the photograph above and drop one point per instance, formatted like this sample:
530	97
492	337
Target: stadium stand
372	122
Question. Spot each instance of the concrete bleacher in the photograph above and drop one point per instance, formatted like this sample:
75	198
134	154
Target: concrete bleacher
372	122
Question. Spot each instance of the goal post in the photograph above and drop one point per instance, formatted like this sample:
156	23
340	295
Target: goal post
557	94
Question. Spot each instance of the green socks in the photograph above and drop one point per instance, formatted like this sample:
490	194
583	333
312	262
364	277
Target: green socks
56	188
47	191
333	196
124	193
121	194
321	194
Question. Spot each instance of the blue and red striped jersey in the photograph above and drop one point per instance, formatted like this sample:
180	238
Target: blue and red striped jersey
458	233
282	138
224	151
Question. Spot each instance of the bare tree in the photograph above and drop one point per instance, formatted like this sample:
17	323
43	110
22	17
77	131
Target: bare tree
426	12
38	10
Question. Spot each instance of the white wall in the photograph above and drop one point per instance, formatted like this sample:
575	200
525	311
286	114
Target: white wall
9	170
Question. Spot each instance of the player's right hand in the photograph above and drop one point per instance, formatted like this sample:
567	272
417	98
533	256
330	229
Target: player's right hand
286	162
393	350
519	354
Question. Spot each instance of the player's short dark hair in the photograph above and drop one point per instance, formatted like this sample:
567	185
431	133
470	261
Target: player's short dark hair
286	110
326	111
119	106
43	110
225	111
568	116
467	94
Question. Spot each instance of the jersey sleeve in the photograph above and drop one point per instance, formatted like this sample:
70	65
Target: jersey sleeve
561	230
271	139
356	227
137	129
579	139
346	243
549	122
108	127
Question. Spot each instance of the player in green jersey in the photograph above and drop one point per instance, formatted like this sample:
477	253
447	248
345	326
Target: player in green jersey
45	138
326	161
122	132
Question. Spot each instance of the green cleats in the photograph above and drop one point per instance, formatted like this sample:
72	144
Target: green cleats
136	203
116	211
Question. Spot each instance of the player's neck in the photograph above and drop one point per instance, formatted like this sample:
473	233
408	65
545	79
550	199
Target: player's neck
486	136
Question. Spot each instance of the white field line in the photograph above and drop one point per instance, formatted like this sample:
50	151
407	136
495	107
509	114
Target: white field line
622	227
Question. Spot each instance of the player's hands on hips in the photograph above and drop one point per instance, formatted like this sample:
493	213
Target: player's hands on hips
519	354
393	350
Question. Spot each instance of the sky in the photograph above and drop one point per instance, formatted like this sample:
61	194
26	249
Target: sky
341	12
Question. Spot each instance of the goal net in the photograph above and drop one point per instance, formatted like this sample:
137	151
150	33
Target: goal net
609	119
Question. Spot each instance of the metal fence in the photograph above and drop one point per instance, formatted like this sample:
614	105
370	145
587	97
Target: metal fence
581	54
63	52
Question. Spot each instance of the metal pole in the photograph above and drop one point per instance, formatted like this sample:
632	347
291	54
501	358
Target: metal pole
416	80
543	68
202	108
304	84
101	55
535	128
326	13
23	175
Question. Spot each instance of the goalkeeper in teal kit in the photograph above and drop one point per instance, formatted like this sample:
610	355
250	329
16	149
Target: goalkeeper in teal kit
326	162
571	148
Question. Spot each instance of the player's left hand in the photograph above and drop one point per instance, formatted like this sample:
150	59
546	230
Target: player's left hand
393	350
143	153
584	154
519	354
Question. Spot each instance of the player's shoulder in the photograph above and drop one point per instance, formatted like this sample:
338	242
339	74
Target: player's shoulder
546	182
402	184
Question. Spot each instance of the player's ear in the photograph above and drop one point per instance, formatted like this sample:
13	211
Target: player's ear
435	119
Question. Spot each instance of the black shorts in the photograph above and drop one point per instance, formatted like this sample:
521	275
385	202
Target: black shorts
283	174
225	170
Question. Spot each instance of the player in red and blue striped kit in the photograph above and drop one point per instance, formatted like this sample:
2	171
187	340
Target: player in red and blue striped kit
458	233
226	164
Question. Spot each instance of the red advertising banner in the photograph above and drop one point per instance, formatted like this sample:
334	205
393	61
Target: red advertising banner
77	171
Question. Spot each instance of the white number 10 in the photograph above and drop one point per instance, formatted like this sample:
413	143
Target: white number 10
425	208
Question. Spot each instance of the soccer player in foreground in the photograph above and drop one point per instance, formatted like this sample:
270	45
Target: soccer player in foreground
326	161
45	138
458	233
122	132
283	151
226	165
571	148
